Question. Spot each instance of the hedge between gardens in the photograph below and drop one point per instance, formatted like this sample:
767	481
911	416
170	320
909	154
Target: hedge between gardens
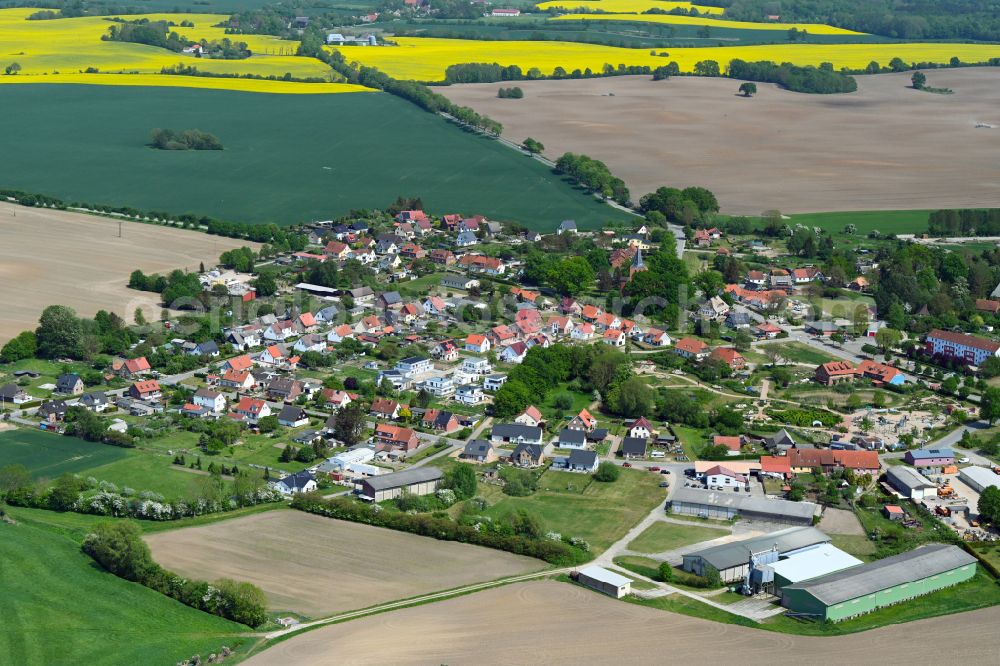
554	552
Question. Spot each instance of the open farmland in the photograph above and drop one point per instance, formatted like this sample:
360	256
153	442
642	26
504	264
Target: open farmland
287	159
426	59
886	147
581	626
318	566
707	21
73	45
633	6
52	257
47	455
60	608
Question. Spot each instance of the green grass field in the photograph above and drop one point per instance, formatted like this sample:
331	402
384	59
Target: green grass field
60	608
886	222
660	537
287	158
796	352
48	455
576	505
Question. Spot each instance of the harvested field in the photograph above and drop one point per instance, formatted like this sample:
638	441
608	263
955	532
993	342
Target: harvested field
319	566
885	147
50	257
581	626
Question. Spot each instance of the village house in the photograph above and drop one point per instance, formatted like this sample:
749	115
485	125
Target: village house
241	380
514	353
293	416
730	357
284	389
300	482
478	451
336	399
440	420
469	394
582	461
440	387
633	447
860	462
214	401
69	384
529	417
640	428
96	401
251	409
572	439
477	343
527	455
385	408
515	433
145	390
394	438
131	367
446	350
691	348
583	421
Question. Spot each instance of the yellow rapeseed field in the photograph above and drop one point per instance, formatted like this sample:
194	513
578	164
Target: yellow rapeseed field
72	45
812	28
425	59
161	81
629	6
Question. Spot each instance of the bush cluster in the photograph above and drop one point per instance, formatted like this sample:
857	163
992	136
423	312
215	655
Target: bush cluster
555	552
119	548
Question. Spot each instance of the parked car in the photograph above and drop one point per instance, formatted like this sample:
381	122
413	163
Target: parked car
654	469
626	464
963	459
664	471
664	484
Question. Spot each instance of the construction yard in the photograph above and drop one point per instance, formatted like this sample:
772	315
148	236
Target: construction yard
316	566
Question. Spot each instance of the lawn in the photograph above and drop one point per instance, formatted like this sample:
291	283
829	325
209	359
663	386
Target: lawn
796	352
660	537
62	608
146	471
577	506
48	455
306	157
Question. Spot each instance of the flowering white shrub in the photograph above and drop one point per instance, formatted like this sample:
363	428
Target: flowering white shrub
446	496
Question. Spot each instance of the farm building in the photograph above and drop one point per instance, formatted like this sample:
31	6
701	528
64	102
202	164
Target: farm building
605	581
811	562
930	457
979	478
413	481
868	587
726	505
910	483
732	560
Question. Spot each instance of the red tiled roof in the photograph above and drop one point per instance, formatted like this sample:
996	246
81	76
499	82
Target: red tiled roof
964	339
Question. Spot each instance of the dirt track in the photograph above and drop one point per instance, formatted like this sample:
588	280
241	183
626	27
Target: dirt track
319	566
556	623
50	257
884	147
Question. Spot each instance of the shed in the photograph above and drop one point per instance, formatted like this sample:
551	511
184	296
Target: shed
414	481
602	580
979	478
